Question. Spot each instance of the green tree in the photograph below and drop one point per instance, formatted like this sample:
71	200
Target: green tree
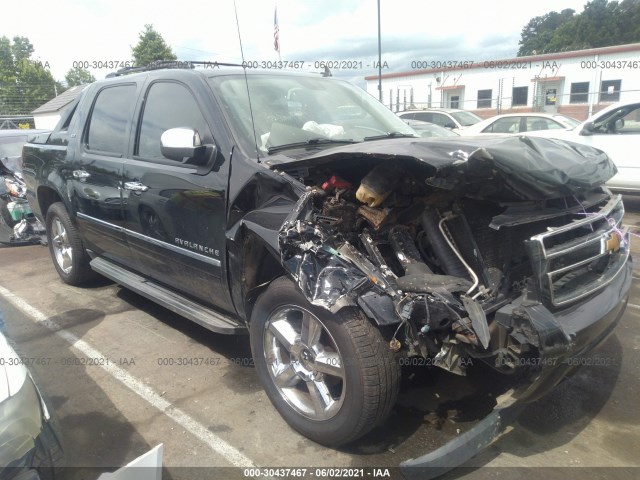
602	23
36	85
25	84
539	31
151	47
630	20
21	49
78	76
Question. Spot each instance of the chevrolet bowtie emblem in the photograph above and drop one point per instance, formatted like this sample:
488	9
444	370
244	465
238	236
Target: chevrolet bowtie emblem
613	242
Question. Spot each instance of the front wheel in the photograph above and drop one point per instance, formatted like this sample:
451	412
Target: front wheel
65	246
332	377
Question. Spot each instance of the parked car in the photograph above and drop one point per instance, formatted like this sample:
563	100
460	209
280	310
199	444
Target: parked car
450	118
300	210
426	129
616	131
520	123
30	447
11	142
18	226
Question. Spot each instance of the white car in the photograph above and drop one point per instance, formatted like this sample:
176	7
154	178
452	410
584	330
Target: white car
426	129
616	131
29	444
451	118
521	122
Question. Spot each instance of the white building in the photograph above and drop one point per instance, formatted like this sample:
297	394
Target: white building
46	116
576	83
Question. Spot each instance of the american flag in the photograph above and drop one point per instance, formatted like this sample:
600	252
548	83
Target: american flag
276	31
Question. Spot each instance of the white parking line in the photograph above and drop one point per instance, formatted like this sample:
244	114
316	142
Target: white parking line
637	307
218	445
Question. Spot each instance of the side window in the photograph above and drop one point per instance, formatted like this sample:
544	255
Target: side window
504	125
168	105
442	120
112	111
539	123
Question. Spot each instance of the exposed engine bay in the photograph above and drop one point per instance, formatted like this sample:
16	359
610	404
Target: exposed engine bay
444	271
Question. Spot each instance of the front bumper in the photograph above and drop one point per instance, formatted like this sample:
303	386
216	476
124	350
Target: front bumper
565	338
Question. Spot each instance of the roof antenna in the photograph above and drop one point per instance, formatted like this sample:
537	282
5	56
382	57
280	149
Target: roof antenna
246	81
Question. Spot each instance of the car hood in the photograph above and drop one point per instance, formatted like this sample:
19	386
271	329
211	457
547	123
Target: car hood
505	168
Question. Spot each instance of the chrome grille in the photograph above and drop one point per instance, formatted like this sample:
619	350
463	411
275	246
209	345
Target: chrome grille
577	259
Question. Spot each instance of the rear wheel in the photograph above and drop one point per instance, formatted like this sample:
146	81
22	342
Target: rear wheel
332	377
65	245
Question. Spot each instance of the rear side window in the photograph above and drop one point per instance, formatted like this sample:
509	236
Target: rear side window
425	117
110	118
168	105
504	125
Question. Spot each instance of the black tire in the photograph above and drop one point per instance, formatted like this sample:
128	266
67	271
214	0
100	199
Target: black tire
73	269
6	215
370	369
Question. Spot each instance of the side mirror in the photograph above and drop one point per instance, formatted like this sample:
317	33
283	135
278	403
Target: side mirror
183	145
450	125
588	129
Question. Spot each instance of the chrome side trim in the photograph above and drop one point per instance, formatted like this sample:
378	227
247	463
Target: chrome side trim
198	256
159	243
108	225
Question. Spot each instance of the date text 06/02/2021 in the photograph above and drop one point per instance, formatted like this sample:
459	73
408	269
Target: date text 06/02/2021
322	472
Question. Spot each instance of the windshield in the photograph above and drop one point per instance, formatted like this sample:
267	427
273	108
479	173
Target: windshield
466	118
294	110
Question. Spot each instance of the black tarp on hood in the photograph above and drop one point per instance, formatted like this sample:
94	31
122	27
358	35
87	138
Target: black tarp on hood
502	168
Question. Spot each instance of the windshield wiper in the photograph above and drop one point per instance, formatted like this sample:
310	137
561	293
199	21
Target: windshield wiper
391	135
311	141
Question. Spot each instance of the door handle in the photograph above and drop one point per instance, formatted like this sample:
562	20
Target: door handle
80	174
135	186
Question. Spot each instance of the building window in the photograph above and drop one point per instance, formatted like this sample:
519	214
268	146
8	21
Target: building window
519	96
484	98
610	90
579	92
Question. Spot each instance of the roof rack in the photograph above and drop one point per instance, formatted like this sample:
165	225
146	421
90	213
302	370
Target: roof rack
159	64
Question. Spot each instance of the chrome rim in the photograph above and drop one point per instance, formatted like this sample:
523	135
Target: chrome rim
304	362
61	246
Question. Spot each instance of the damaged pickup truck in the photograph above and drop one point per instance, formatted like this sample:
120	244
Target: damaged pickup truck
300	209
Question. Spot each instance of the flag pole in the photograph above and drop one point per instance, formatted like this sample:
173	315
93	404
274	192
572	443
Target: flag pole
276	32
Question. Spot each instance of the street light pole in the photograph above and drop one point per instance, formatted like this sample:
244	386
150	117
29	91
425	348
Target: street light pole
379	58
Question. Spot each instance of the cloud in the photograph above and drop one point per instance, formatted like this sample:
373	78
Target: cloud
68	31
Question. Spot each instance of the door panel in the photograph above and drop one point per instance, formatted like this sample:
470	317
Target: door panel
175	212
97	169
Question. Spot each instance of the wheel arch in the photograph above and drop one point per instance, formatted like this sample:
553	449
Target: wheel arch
47	196
257	264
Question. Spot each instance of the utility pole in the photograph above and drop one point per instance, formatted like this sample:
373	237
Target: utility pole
379	57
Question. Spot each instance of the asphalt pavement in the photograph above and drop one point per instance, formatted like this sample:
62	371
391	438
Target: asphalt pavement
124	375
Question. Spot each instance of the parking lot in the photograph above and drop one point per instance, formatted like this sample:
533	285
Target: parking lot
124	375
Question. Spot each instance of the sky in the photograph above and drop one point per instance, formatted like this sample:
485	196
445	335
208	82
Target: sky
99	31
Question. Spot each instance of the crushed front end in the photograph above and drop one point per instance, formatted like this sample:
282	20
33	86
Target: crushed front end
507	251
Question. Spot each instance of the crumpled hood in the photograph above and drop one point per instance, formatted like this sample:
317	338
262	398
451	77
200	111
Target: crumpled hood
504	168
